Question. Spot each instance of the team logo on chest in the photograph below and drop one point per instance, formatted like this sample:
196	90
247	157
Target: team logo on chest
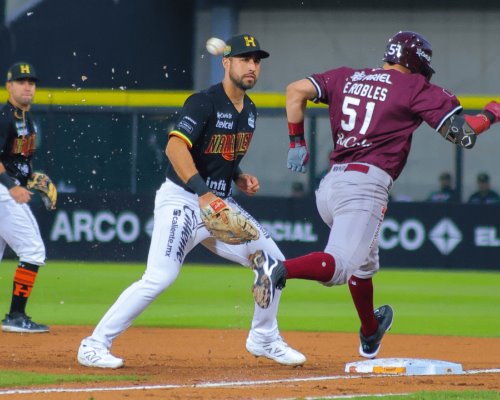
25	142
229	146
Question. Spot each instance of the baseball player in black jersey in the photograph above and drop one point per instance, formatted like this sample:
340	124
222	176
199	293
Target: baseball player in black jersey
204	150
18	227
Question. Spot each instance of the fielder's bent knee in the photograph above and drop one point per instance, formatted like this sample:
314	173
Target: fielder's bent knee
35	255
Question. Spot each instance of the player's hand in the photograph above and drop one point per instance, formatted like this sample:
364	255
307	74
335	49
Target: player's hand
206	199
20	194
248	184
493	107
297	159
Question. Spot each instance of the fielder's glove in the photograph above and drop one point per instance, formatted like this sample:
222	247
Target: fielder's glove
48	192
228	225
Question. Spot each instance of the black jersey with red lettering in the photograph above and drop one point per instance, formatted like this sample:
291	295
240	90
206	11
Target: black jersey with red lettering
217	135
17	142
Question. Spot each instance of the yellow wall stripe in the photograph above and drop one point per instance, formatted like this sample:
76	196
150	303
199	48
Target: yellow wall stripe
152	98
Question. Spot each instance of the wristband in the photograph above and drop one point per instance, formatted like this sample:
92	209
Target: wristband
296	128
7	181
479	123
296	134
237	172
197	185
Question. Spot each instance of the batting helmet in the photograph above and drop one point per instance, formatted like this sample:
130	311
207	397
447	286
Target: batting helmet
411	50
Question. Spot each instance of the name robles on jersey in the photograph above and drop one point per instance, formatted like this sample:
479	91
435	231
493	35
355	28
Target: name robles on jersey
366	90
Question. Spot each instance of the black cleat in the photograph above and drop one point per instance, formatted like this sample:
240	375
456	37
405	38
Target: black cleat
21	323
270	274
370	346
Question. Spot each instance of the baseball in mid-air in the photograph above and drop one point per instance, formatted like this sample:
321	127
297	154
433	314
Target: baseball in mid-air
215	46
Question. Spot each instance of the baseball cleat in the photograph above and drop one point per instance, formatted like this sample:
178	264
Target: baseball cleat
98	357
21	323
370	346
277	350
270	274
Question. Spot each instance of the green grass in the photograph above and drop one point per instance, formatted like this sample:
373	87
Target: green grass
425	302
18	378
463	395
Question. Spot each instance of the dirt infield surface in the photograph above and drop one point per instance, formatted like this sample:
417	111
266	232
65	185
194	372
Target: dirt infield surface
213	364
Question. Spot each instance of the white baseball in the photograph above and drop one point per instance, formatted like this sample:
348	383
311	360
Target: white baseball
215	46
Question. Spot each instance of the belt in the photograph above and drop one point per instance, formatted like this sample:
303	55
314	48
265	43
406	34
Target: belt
357	167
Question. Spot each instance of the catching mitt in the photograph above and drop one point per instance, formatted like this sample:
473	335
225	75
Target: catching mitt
228	225
48	192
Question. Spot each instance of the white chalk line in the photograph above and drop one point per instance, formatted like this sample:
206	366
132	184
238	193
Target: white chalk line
223	384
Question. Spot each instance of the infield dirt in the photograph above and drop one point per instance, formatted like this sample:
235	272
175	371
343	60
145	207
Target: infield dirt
189	357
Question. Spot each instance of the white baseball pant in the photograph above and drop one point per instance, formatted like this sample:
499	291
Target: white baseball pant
177	230
19	230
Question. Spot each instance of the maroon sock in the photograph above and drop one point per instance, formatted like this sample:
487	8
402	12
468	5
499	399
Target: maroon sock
314	266
362	295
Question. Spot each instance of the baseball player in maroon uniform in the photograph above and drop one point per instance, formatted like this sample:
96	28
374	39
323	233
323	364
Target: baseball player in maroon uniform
373	114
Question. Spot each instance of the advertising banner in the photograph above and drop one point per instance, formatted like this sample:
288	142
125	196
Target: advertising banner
117	227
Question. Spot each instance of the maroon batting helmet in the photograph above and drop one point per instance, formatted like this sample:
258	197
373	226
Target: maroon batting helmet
411	50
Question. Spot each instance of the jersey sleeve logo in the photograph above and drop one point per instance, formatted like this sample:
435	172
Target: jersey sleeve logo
186	124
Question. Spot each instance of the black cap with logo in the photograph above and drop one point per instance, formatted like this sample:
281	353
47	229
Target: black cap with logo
244	44
21	70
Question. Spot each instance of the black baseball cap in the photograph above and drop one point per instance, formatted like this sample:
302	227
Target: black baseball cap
21	70
244	44
445	176
483	177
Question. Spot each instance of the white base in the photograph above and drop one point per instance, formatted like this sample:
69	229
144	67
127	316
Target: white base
404	366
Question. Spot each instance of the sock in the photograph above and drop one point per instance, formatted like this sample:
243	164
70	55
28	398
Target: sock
314	266
24	279
362	295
